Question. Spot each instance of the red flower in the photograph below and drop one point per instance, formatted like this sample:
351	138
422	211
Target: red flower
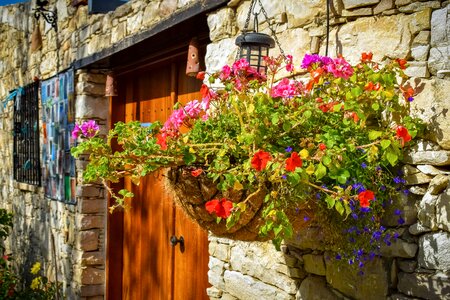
200	75
366	57
197	172
260	160
161	141
403	135
369	86
322	146
204	91
222	208
402	63
293	162
365	197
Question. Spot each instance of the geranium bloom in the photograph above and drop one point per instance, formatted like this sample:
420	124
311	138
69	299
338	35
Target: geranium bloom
403	135
364	198
311	59
366	57
402	63
222	208
197	172
260	160
322	146
340	68
76	132
293	162
289	65
89	128
225	74
193	109
200	75
161	140
286	89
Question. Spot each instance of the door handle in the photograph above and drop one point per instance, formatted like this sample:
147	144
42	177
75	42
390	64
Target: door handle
174	241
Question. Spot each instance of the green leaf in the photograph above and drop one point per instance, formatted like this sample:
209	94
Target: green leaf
330	201
356	91
326	160
275	119
321	171
343	176
293	178
307	114
374	134
392	158
338	206
188	157
286	126
376	106
385	143
277	229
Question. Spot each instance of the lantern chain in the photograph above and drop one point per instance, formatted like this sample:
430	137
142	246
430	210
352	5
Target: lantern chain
247	22
271	29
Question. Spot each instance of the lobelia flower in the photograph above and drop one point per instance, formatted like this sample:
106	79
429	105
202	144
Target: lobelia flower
260	160
293	162
89	128
222	208
364	198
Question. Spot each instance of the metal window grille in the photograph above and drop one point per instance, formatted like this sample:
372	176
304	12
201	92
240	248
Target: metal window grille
26	135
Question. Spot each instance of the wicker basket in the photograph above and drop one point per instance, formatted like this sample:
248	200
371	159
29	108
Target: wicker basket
191	193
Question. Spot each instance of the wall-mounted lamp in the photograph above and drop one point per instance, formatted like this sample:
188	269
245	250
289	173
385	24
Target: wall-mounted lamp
49	16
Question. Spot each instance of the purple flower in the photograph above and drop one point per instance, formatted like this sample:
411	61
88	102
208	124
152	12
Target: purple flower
400	221
364	165
354	216
288	149
306	218
284	176
360	264
378	168
410	99
406	191
89	128
76	132
350	261
365	209
376	235
383	188
397	180
338	256
397	212
309	60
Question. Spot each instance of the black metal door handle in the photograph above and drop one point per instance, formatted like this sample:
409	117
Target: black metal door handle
174	241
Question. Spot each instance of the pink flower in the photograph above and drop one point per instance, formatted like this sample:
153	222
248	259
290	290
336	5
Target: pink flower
289	65
225	73
287	89
89	128
193	109
240	65
76	132
340	68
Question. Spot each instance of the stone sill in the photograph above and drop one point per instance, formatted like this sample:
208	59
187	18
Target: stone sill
27	187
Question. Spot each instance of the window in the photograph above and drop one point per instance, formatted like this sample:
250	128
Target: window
26	154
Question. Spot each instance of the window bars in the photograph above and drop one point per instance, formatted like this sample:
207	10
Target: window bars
26	155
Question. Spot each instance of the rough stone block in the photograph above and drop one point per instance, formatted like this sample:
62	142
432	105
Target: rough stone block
87	107
439	59
303	12
358	12
443	210
86	206
420	21
422	38
88	240
373	285
93	258
432	170
438	184
407	266
427	211
436	158
89	221
92	290
439	31
418	228
222	24
349	4
92	276
247	287
418	6
314	287
383	6
420	53
399	248
417	69
418	178
424	285
215	273
434	251
314	264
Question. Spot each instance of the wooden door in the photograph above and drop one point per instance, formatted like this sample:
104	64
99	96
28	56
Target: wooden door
150	267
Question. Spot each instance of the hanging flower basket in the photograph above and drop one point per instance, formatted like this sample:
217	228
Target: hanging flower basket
267	159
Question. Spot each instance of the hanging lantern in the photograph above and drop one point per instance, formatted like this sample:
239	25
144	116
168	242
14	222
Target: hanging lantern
253	46
110	86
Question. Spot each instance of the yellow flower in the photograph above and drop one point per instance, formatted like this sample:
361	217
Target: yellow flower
35	283
35	269
304	154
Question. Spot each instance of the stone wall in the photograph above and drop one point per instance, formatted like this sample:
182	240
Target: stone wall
75	233
417	264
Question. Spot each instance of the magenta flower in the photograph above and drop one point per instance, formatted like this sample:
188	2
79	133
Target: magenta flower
89	128
340	68
286	89
76	131
240	65
226	72
193	109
